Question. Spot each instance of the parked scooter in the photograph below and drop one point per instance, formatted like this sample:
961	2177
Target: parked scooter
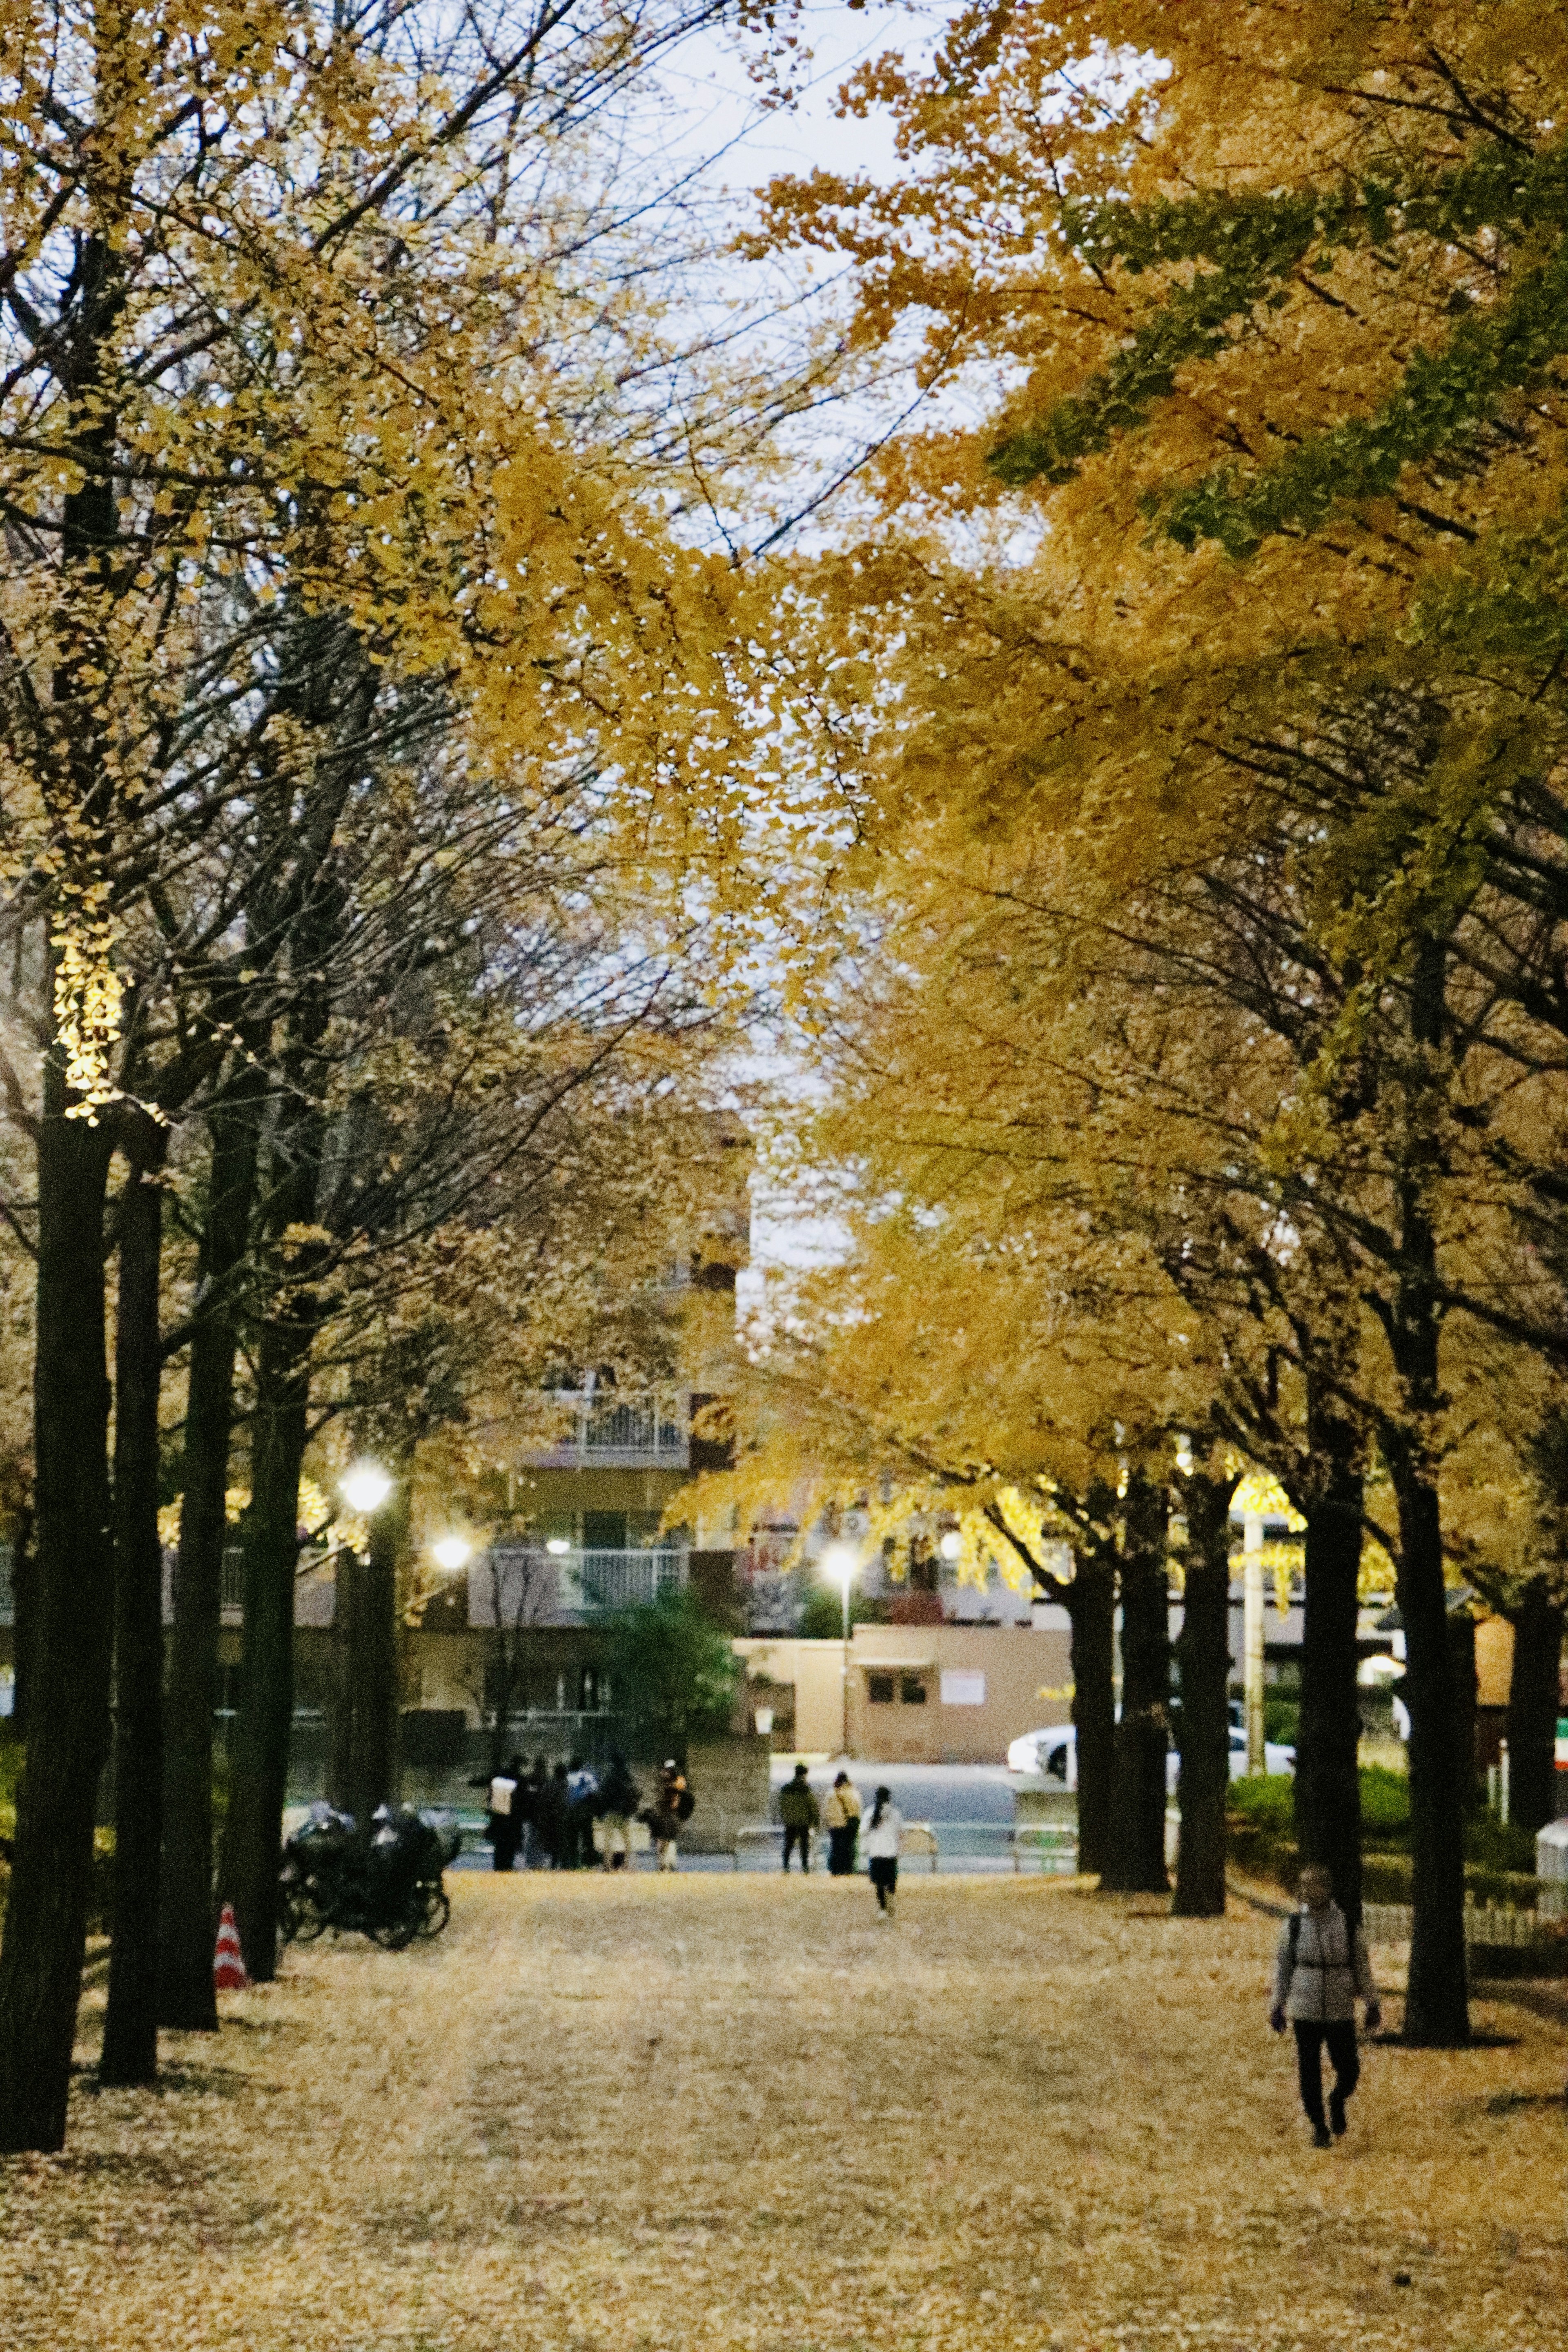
388	1886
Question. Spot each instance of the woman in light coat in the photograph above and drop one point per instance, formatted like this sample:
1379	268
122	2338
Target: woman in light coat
1319	1969
882	1827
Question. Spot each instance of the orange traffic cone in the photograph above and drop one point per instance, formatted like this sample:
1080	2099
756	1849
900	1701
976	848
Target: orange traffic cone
228	1967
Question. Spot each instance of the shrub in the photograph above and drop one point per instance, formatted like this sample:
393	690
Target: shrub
1267	1799
1281	1721
11	1759
673	1671
1496	1846
822	1614
1384	1809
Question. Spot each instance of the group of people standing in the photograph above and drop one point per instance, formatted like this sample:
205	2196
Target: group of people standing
543	1816
841	1815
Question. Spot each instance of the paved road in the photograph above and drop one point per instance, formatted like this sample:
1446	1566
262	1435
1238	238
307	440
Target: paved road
969	1805
922	1793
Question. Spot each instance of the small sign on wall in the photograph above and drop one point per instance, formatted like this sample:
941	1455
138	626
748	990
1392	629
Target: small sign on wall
961	1687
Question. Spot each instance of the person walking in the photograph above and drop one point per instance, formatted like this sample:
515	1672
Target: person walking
800	1814
884	1825
1319	1969
673	1805
619	1797
582	1806
505	1802
534	1802
841	1817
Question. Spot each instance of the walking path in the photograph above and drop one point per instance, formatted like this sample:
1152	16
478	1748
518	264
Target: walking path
605	2116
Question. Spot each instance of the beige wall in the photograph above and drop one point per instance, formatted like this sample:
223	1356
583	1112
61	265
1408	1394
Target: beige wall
1018	1665
1494	1661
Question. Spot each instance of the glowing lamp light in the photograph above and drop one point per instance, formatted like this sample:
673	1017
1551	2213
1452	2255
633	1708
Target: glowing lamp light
365	1486
951	1545
839	1562
557	1547
451	1552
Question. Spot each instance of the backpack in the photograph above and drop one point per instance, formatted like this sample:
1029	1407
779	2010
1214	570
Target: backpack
685	1805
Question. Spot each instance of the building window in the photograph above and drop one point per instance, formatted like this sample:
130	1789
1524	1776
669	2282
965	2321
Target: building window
913	1691
880	1689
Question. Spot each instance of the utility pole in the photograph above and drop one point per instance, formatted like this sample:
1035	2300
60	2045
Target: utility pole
1252	1638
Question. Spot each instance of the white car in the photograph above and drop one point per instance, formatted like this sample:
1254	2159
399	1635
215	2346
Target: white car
1052	1754
1277	1757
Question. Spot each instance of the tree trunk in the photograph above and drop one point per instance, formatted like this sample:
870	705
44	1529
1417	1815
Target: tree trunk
130	2025
186	1957
1203	1653
1467	1698
1136	1862
69	1649
1327	1779
345	1682
1437	2005
1534	1694
253	1843
279	1429
24	1580
1090	1602
374	1770
68	1654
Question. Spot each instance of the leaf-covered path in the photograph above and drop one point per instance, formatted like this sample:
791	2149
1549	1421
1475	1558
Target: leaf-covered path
604	2114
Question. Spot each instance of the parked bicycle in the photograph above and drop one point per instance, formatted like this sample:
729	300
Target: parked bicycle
388	1887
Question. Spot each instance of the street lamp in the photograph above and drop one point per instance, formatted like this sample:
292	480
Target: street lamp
365	1486
951	1545
839	1562
451	1552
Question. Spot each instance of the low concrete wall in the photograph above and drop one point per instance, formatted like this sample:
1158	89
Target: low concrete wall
729	1779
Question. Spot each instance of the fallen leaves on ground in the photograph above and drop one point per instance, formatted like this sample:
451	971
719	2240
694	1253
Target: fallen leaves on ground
604	2114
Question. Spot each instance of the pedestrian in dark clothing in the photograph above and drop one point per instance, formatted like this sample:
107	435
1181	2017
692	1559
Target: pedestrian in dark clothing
504	1826
800	1814
671	1807
842	1815
1319	1969
533	1795
619	1797
550	1812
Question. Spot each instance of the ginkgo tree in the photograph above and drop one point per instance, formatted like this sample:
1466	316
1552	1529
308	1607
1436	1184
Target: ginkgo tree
1037	1388
1272	303
302	344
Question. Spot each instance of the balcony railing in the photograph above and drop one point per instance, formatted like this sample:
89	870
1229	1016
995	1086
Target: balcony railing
652	1434
536	1587
601	1581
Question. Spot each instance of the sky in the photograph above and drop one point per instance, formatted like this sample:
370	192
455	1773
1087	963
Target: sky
715	128
735	145
719	117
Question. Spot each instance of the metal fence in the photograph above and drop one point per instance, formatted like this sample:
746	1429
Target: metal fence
649	1433
634	1429
1498	1926
232	1589
593	1583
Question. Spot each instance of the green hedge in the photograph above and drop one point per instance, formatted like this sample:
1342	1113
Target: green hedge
102	1898
1498	1855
